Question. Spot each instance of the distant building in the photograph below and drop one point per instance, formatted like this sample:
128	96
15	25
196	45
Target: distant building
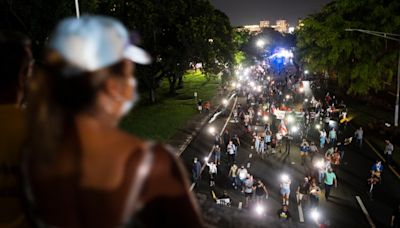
251	28
299	24
265	24
282	26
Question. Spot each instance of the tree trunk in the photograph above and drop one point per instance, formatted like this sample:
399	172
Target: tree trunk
180	82
172	82
152	95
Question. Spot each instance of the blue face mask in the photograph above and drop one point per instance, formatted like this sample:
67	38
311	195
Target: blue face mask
129	104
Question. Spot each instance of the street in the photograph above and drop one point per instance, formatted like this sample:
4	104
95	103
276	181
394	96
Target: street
347	201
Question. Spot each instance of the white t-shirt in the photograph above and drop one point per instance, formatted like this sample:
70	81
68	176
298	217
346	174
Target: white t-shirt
212	167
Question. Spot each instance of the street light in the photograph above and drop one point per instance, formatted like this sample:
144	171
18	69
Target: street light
260	43
389	36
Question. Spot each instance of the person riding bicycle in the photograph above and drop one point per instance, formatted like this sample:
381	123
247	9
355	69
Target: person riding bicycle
375	178
377	168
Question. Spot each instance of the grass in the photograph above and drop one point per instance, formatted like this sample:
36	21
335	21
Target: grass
365	114
162	120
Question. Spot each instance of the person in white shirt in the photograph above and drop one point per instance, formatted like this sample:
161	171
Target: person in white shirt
388	151
212	170
285	190
231	151
359	134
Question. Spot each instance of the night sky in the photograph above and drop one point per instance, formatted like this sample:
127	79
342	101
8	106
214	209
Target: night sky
243	12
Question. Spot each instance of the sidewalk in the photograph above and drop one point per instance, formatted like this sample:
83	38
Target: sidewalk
189	131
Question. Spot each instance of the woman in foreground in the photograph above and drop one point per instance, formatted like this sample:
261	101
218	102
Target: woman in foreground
80	169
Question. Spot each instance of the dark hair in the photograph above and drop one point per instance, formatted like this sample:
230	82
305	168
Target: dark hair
59	92
14	58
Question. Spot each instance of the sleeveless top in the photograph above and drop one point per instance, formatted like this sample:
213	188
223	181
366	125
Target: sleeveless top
64	204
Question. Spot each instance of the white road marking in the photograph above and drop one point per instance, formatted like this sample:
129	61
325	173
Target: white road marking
240	205
250	155
248	165
301	215
222	130
371	223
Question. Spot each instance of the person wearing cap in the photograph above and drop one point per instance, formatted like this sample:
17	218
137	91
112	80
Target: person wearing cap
16	64
80	170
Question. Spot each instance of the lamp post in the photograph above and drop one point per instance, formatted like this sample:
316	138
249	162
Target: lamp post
77	8
389	36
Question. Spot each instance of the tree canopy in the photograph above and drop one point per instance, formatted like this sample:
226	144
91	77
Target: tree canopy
175	32
359	62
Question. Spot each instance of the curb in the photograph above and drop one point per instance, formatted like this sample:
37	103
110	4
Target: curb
190	138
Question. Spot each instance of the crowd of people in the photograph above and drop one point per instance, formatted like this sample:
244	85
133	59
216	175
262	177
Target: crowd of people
280	118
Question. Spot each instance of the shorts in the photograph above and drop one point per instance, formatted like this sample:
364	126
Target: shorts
212	176
217	155
285	191
248	194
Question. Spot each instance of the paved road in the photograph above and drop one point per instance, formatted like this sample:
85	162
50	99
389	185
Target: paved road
342	211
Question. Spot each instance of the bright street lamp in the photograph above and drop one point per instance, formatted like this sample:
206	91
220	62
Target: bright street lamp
260	43
389	36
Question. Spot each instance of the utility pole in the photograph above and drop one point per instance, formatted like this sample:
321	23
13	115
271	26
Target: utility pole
77	8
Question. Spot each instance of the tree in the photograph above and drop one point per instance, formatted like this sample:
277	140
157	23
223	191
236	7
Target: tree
359	62
174	32
240	39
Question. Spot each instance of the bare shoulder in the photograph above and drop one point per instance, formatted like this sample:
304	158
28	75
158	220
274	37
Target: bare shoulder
106	159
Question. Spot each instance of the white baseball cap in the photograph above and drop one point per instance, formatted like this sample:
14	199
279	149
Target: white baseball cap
93	42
